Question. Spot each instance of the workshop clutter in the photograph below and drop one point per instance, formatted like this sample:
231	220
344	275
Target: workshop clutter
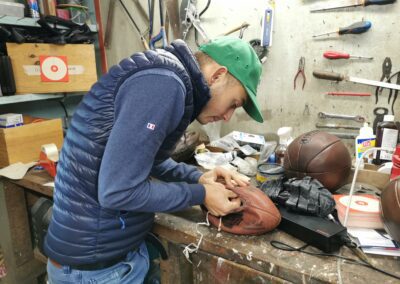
23	143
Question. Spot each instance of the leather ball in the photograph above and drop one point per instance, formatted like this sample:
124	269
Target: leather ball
390	207
320	155
259	214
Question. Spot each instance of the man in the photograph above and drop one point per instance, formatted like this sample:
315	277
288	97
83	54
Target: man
122	133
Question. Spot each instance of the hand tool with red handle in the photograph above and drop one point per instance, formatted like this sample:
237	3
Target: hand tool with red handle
342	55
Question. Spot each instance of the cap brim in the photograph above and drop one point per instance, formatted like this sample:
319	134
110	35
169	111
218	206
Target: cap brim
251	107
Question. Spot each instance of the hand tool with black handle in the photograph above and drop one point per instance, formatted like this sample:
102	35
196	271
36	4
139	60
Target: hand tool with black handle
326	75
355	4
356	28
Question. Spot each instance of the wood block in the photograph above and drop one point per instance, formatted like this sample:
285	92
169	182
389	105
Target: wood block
80	66
23	143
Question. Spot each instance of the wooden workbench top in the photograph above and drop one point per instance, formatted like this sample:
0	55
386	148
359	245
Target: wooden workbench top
254	252
257	253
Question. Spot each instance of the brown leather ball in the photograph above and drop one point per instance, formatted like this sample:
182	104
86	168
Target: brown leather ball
390	207
320	155
258	216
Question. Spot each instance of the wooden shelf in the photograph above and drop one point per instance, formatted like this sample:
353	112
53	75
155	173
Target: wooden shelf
5	100
29	22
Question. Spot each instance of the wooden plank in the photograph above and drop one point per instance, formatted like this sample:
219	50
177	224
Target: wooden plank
176	269
208	268
25	59
257	253
15	238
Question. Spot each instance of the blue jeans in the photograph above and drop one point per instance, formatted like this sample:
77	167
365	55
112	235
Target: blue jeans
132	270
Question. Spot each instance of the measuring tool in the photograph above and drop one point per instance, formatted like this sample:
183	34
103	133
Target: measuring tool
356	28
341	55
355	4
332	76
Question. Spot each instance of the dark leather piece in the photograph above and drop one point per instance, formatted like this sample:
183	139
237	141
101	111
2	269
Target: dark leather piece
320	155
259	214
306	196
390	206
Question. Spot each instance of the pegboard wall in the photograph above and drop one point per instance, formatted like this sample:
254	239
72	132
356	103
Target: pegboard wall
293	28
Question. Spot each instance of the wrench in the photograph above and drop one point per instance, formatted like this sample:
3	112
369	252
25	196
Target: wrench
358	118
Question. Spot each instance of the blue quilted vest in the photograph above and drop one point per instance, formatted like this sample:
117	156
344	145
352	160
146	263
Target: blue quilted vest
81	231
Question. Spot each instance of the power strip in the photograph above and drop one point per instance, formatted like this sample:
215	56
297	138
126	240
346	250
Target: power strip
316	231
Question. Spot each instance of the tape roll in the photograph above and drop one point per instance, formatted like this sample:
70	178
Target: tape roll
51	151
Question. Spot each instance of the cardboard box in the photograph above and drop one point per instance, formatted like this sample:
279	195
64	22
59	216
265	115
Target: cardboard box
23	143
50	68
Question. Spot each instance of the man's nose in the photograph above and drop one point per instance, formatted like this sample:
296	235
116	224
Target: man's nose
227	116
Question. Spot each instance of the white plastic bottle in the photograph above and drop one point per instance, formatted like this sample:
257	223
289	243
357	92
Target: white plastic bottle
364	141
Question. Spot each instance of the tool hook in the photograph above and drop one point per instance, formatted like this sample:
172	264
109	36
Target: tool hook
302	63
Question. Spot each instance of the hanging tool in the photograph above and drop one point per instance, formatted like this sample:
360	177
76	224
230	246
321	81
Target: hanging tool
144	42
396	92
340	77
386	71
325	115
356	28
341	55
240	28
300	70
161	35
349	94
355	3
379	112
192	19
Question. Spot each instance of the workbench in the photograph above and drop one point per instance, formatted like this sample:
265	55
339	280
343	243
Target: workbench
222	257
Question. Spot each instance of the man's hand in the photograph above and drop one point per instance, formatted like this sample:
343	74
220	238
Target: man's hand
219	200
231	178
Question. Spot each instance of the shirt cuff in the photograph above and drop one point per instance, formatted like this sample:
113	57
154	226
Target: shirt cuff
198	194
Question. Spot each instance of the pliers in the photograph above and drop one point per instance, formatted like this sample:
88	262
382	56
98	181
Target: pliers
386	70
302	63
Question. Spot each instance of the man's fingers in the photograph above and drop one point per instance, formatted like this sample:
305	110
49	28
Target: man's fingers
231	194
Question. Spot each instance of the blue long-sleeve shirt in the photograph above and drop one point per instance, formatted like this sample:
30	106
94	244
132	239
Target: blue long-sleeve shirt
142	122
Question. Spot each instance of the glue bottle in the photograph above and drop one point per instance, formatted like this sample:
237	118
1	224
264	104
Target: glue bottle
387	135
364	141
285	138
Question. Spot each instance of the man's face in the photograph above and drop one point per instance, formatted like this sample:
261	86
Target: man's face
225	99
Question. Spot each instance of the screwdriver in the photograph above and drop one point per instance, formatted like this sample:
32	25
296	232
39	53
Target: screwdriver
340	55
356	4
356	28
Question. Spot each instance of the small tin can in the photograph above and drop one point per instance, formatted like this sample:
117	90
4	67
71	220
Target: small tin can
269	171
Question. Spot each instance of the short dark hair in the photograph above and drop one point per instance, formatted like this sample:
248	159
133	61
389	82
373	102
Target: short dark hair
204	59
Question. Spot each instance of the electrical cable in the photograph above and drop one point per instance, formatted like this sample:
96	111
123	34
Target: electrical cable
283	246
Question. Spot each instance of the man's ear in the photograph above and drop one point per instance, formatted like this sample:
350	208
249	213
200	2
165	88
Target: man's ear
218	74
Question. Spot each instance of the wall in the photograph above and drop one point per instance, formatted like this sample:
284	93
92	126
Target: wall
292	38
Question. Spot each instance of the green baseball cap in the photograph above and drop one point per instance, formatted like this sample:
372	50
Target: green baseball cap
242	62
